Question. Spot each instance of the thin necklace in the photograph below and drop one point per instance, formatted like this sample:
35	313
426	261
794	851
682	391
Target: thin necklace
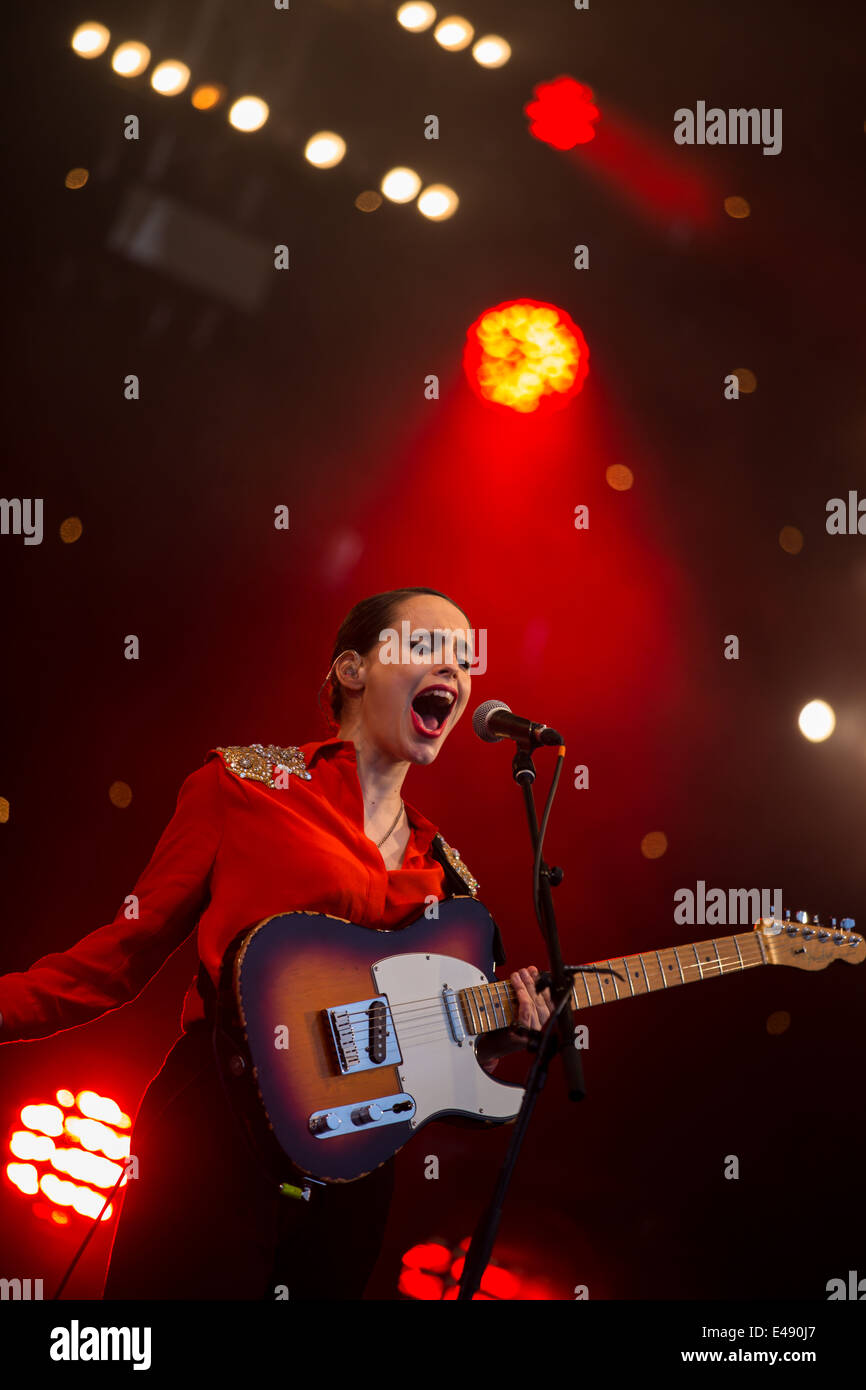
381	842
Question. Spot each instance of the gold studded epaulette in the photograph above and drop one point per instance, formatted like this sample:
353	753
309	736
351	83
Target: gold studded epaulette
453	857
258	763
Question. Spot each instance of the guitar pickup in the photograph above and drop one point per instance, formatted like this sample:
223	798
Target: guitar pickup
363	1035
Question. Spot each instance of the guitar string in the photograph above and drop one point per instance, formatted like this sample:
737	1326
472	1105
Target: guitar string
423	1030
432	1005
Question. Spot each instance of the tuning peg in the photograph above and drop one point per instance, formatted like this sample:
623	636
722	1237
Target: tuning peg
847	924
787	914
802	916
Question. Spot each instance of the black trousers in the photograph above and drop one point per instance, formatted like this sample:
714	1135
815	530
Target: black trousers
204	1221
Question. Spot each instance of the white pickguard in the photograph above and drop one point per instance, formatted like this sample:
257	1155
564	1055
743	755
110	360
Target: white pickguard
439	1073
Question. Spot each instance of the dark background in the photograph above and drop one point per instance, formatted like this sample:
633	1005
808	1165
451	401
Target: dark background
315	399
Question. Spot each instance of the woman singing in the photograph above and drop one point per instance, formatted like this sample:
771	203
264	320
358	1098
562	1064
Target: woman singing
260	831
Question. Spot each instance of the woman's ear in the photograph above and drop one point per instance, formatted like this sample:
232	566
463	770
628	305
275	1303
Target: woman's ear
347	670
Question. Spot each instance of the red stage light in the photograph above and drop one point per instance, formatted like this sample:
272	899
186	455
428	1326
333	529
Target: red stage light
60	1152
563	113
526	355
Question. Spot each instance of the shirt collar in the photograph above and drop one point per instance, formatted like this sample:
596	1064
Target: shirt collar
425	830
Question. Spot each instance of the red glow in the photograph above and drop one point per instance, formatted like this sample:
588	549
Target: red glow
563	113
69	1173
415	1284
431	1256
526	356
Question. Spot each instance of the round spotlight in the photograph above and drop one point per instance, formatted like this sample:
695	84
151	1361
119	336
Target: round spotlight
207	95
491	51
169	78
453	33
325	149
130	59
817	721
400	185
438	202
416	17
89	40
248	113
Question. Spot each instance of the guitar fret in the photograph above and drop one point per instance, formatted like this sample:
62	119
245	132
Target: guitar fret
662	970
481	990
646	977
739	952
718	958
474	1017
679	966
698	959
613	977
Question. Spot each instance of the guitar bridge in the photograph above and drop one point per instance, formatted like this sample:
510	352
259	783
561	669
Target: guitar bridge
363	1035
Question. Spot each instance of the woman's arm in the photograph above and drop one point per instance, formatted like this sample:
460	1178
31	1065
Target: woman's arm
111	966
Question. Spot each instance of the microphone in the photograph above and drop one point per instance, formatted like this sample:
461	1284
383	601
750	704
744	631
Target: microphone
493	721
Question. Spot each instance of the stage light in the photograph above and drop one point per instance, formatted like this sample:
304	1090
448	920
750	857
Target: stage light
208	95
400	185
89	40
416	17
170	77
817	721
491	51
76	178
130	59
438	202
325	149
526	356
73	1153
248	113
563	114
453	33
368	201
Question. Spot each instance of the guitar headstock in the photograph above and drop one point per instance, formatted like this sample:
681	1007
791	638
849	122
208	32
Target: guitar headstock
807	944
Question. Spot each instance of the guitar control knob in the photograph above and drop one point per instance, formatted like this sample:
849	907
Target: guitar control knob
324	1124
365	1114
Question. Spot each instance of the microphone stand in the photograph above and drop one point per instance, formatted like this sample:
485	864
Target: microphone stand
556	1036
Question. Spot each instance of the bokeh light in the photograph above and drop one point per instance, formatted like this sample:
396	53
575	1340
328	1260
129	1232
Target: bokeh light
817	721
400	185
526	356
130	59
437	202
416	17
453	33
325	149
89	40
169	78
491	51
248	113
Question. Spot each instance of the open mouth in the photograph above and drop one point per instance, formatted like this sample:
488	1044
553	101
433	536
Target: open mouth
430	710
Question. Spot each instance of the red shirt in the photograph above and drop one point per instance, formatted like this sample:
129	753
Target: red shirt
247	840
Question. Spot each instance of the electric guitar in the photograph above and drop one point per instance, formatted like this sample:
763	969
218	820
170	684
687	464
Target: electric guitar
351	1040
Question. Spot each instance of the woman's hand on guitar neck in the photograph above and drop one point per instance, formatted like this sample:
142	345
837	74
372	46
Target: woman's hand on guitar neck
533	1012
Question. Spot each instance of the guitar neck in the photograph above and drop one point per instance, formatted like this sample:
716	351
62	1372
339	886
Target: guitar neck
494	1005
